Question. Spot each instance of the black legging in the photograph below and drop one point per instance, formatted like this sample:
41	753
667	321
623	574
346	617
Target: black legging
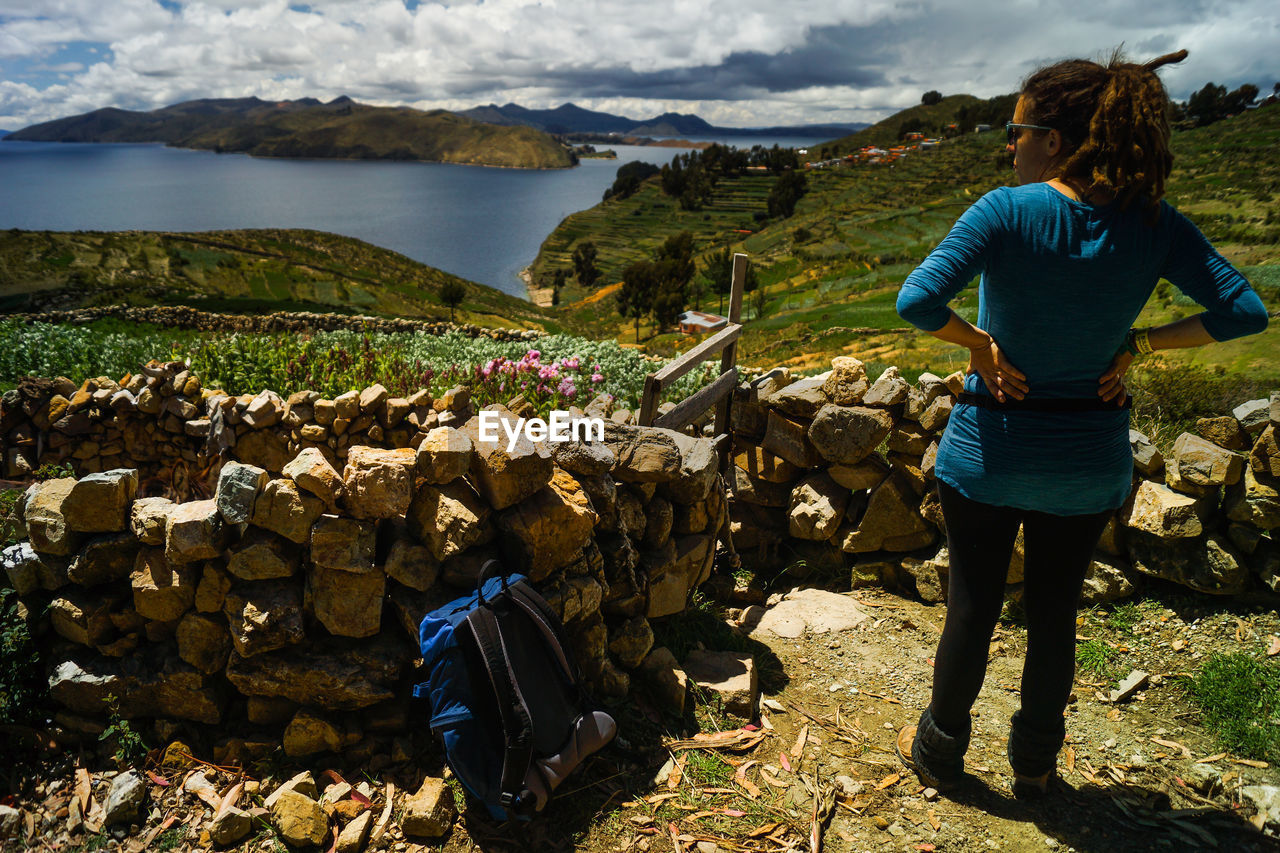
1057	550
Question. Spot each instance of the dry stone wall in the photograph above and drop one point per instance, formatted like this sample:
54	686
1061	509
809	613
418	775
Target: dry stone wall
836	471
290	594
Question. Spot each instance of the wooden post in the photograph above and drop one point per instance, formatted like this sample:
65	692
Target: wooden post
729	359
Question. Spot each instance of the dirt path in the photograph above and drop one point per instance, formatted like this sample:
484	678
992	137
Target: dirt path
1141	774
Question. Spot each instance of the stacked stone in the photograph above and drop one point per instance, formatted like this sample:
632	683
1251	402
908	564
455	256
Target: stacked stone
841	468
300	590
1201	518
178	316
162	417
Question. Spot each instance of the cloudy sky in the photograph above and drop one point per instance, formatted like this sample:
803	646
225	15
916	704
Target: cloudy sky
734	62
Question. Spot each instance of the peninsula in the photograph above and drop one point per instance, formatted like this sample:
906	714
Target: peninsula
339	129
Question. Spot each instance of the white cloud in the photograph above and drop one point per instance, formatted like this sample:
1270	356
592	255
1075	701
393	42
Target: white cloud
731	61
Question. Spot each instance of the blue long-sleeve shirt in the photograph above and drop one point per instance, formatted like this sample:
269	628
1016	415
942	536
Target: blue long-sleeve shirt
1062	282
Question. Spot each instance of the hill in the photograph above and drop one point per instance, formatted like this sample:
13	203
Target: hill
572	119
240	272
341	129
830	272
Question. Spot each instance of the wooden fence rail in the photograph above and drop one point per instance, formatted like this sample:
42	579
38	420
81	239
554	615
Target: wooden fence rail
719	392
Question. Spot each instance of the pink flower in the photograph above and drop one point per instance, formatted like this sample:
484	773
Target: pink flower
596	377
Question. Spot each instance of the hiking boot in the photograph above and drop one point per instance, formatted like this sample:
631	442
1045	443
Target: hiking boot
936	758
1031	787
1033	755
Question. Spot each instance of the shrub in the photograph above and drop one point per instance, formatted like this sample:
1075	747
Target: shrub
20	681
1239	695
1168	399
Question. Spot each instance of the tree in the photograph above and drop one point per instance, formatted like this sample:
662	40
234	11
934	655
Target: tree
452	292
786	191
718	270
635	297
674	270
584	264
931	97
759	301
1206	106
557	282
629	178
1240	98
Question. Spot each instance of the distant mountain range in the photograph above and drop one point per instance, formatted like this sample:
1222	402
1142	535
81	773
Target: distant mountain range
570	118
341	129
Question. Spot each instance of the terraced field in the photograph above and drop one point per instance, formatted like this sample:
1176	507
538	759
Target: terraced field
830	273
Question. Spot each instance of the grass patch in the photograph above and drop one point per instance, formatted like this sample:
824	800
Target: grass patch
1239	695
1124	618
1096	658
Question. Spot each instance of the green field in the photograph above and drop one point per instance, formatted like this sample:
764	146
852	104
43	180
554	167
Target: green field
239	272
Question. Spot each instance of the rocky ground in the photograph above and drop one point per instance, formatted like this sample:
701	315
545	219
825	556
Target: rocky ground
839	675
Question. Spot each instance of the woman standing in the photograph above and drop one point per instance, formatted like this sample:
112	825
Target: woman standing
1040	436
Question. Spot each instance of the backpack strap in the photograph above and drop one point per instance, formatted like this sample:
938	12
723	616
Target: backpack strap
537	609
516	722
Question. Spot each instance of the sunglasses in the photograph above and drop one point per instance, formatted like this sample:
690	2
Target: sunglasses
1011	129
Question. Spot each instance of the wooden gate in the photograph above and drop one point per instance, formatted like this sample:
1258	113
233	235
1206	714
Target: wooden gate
718	393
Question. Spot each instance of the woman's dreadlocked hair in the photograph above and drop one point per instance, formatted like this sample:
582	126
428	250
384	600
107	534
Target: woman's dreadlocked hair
1114	120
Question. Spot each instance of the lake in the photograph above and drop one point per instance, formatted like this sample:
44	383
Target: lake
483	224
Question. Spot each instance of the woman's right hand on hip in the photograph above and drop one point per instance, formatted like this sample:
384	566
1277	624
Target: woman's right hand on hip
1002	379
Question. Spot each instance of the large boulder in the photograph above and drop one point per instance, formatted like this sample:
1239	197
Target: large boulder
1160	511
379	483
444	455
892	521
889	390
699	465
262	555
149	519
264	616
313	473
506	472
195	531
449	518
818	505
82	618
789	439
103	560
162	591
1204	463
1254	501
238	487
334	675
99	503
344	544
283	509
1265	456
204	642
800	399
143	686
1146	458
846	435
411	564
48	528
347	604
645	454
549	529
669	585
1205	565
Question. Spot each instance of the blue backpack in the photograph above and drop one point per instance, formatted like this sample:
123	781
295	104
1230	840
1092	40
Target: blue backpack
505	698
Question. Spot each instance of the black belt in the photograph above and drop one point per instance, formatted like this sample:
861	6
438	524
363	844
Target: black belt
1094	404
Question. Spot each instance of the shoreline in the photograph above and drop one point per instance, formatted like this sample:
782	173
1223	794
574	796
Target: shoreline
539	296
